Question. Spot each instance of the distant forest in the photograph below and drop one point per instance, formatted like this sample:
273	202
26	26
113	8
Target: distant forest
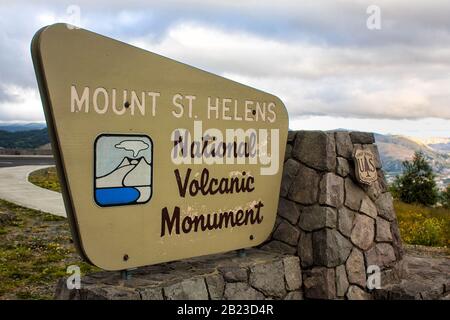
23	139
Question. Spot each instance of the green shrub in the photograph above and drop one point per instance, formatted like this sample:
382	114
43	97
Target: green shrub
445	197
416	184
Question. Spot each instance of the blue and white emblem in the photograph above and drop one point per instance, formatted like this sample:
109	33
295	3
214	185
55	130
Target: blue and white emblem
123	169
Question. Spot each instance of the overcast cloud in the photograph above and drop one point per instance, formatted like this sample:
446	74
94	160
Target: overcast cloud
318	57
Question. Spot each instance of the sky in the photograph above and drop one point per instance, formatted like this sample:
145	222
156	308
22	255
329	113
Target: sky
379	65
108	157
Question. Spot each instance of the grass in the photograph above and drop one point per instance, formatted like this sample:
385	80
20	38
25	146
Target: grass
46	178
35	250
420	225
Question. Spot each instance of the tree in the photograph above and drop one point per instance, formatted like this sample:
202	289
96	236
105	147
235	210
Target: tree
446	197
416	183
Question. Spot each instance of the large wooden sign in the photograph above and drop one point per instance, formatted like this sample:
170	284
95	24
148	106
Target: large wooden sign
158	160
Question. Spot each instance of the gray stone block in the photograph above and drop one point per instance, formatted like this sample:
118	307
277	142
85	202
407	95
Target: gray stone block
305	249
331	190
356	293
383	230
374	149
396	240
288	210
344	145
363	232
287	233
269	279
288	152
385	206
151	293
290	169
292	273
380	255
109	293
353	195
356	270
341	281
368	207
280	247
362	137
343	167
346	218
190	289
234	274
241	291
320	283
330	248
316	149
294	295
216	286
305	186
291	136
317	217
373	191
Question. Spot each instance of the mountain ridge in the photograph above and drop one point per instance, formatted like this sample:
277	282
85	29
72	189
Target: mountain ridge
17	127
394	149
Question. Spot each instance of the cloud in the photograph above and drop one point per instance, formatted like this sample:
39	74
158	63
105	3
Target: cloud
318	56
20	104
312	79
134	146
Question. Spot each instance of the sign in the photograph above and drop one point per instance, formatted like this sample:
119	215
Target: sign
366	171
158	160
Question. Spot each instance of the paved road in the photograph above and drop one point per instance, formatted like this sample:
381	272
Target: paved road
15	187
15	161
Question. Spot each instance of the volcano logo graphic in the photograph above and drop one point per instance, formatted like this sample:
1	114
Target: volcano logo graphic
123	169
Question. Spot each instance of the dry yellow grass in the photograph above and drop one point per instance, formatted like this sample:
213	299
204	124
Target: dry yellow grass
46	178
423	225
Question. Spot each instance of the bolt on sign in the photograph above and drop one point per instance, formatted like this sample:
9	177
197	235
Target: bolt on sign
158	160
366	171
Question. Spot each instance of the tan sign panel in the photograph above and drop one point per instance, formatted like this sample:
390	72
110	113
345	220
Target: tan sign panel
366	171
159	160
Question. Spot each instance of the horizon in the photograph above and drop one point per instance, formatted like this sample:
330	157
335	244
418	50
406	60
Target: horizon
420	137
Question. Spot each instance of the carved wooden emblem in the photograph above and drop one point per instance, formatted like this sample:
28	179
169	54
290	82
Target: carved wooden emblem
366	171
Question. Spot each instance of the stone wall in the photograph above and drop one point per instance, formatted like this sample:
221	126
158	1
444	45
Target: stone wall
329	229
335	225
255	276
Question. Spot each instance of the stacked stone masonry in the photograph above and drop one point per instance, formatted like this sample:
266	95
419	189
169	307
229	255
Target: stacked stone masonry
335	225
257	275
329	230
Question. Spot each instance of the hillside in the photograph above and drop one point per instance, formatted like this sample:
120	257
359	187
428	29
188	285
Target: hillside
395	149
23	139
438	144
15	127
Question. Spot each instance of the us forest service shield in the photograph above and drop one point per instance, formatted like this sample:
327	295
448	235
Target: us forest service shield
366	171
158	160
